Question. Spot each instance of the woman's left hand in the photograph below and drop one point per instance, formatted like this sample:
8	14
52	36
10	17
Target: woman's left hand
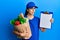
51	20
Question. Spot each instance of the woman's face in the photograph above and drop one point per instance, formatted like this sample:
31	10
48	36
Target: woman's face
31	11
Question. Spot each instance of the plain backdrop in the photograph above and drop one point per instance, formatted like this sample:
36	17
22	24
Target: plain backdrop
10	9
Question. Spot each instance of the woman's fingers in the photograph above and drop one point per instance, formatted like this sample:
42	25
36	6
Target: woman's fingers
51	20
16	32
22	34
43	29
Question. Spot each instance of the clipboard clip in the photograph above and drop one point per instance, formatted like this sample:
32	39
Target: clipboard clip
46	12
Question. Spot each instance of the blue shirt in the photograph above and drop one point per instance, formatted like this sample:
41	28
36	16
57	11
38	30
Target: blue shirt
34	25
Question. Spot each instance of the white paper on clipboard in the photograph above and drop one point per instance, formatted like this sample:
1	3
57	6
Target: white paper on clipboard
45	20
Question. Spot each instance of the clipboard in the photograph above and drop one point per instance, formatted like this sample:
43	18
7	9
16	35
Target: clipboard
45	20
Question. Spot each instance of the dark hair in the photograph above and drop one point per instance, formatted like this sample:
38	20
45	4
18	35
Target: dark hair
26	12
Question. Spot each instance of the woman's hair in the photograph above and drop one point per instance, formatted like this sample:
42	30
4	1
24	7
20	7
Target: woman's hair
26	12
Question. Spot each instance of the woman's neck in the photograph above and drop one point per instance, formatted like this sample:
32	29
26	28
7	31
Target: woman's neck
30	16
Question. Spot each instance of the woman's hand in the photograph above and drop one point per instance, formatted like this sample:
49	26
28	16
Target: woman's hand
43	29
18	33
51	20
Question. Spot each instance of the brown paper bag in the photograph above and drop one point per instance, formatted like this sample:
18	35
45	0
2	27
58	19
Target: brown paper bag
24	29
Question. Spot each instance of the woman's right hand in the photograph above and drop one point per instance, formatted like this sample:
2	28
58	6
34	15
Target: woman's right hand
18	33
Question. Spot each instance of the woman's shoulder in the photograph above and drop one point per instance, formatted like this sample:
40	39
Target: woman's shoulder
36	17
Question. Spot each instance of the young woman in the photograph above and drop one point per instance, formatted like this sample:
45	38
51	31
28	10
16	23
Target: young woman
33	21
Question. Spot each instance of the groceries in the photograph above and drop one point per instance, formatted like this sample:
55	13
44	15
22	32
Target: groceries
21	24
